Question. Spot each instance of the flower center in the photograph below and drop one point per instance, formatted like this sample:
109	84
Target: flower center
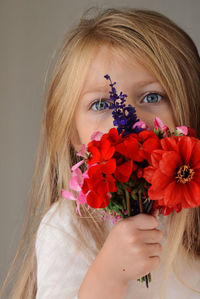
184	174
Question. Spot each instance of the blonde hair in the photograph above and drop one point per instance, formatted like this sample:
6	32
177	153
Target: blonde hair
170	54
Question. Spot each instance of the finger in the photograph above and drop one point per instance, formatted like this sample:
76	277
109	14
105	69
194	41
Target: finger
144	221
151	236
154	249
154	262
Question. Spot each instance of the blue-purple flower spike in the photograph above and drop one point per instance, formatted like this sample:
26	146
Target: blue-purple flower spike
124	116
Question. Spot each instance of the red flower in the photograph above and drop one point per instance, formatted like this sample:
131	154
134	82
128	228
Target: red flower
104	149
174	173
191	132
100	183
123	171
97	201
100	151
113	136
130	149
150	142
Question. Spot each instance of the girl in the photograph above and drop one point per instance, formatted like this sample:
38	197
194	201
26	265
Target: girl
68	256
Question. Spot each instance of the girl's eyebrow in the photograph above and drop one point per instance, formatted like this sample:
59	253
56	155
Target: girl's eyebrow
101	88
145	83
106	88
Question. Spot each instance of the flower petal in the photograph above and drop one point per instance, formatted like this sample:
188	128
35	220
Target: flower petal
75	166
173	195
185	148
123	171
109	167
81	198
96	201
169	143
74	183
169	163
182	130
107	150
160	181
82	151
156	156
194	191
195	157
158	123
148	173
68	195
96	136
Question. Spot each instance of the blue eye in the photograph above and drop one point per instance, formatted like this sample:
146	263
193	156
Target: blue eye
152	98
99	105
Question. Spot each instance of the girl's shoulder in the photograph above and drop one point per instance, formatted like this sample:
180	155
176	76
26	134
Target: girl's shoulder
59	255
61	226
60	214
56	226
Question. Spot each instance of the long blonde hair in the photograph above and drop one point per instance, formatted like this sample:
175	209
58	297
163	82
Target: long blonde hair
170	54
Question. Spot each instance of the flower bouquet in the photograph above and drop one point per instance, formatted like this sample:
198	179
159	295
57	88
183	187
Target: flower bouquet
132	169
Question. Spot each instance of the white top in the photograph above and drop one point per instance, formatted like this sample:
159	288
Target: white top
61	267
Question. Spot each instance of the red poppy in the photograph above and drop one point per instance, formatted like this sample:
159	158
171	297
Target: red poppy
174	173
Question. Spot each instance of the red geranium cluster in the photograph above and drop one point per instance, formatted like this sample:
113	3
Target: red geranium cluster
115	158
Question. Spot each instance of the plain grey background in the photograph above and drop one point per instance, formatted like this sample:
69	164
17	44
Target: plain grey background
30	31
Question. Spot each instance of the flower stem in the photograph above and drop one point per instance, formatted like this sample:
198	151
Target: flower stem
128	202
140	203
146	278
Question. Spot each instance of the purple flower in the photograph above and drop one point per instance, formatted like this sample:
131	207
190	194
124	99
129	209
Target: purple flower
124	116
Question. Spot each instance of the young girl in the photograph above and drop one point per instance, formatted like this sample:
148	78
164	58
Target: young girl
66	256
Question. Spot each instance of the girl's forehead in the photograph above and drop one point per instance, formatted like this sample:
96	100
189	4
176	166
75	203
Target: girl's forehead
120	66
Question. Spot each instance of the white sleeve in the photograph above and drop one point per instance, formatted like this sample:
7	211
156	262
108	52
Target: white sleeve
60	266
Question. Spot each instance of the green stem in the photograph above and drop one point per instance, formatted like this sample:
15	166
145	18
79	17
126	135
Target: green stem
140	203
128	202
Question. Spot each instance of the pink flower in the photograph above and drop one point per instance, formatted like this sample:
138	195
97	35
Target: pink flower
76	184
96	136
82	151
182	130
158	124
68	195
75	166
76	181
140	124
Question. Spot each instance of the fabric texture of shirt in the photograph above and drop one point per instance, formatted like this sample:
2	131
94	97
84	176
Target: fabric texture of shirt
61	267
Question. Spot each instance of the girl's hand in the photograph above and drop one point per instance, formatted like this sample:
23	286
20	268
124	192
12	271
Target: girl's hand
132	248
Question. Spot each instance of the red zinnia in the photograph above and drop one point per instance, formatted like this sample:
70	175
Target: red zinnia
174	173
